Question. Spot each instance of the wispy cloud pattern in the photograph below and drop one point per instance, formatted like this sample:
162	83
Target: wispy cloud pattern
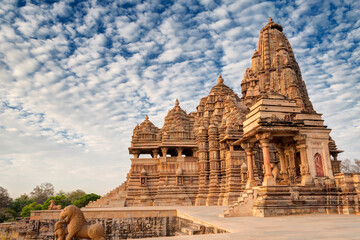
76	76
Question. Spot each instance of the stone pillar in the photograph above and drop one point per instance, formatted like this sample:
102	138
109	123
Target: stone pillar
249	156
179	151
136	154
203	160
194	152
164	151
306	178
214	159
155	153
283	163
231	147
265	141
222	172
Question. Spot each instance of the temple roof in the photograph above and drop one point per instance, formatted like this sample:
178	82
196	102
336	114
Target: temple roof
220	88
178	124
271	24
274	69
146	131
222	110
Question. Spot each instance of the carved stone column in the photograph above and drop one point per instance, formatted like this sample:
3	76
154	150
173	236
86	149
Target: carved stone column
268	177
155	153
136	154
179	151
306	178
194	152
214	159
283	163
203	160
222	172
164	151
249	156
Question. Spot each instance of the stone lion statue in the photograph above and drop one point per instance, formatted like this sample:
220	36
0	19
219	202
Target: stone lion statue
52	205
78	226
59	231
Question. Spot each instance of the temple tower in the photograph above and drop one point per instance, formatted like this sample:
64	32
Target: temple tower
218	123
274	70
281	117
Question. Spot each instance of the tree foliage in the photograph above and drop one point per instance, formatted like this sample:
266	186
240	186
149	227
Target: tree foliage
19	203
6	214
39	199
25	212
75	195
5	200
42	192
348	166
84	200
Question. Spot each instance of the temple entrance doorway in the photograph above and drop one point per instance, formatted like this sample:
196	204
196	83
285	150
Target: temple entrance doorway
297	164
318	165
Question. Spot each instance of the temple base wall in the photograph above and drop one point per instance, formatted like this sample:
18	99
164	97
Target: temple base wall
341	196
118	224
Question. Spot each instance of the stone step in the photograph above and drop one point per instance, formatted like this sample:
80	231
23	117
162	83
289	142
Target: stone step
190	231
195	226
180	234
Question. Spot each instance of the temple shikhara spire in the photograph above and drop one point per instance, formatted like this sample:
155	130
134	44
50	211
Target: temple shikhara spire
265	153
274	70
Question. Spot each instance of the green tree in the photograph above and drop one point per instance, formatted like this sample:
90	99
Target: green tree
42	192
84	200
25	212
5	200
75	195
5	212
18	204
61	192
59	200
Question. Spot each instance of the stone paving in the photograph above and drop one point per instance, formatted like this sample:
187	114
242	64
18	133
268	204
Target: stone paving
287	227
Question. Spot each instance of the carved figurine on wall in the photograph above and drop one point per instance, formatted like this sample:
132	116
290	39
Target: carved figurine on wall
60	231
292	175
53	206
275	171
77	226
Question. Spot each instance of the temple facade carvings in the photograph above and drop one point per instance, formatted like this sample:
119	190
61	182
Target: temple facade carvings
270	139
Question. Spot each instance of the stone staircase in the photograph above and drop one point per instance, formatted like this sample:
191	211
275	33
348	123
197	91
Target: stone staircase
190	229
244	205
115	198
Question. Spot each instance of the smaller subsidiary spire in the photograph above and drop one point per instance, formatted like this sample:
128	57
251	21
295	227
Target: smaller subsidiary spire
177	102
270	20
220	79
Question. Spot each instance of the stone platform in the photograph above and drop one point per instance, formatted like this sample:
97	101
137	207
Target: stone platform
321	226
315	226
318	226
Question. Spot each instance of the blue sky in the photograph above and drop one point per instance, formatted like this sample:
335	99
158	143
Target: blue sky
76	76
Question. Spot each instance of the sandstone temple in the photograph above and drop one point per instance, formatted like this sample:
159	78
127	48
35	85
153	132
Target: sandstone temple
265	153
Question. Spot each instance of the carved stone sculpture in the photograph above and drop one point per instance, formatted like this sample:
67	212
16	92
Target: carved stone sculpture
59	231
52	205
294	195
77	225
275	170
